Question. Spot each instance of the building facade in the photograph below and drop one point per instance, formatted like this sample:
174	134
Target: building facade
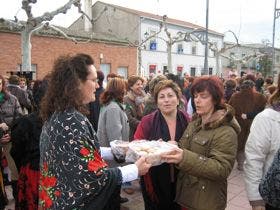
109	55
136	26
250	58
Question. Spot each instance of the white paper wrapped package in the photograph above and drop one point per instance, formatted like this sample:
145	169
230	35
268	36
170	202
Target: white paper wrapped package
119	148
152	150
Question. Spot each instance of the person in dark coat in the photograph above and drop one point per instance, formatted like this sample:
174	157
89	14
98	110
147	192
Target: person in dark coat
94	107
167	123
26	153
247	104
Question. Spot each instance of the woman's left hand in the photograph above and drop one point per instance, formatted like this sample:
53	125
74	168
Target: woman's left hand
175	156
5	139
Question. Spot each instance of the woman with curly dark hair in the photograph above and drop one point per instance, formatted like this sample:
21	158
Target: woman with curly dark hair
73	173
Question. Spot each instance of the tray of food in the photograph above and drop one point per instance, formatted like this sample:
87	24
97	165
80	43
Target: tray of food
152	150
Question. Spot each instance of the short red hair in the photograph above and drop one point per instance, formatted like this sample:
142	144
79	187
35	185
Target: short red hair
213	85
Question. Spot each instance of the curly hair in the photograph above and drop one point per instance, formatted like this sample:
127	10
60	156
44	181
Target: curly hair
213	85
115	90
163	84
63	91
133	79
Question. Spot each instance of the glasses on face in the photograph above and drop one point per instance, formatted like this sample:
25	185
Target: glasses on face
93	80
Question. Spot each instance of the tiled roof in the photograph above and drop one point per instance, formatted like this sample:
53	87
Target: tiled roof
157	17
79	35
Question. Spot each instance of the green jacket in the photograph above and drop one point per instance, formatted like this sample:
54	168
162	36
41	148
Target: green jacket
208	158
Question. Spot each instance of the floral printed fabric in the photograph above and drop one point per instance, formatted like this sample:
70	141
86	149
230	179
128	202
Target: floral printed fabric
72	173
269	187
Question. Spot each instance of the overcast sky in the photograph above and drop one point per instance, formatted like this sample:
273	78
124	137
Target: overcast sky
251	20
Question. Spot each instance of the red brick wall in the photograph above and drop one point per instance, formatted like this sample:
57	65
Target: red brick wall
46	49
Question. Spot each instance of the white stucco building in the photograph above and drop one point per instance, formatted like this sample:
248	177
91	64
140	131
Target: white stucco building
135	26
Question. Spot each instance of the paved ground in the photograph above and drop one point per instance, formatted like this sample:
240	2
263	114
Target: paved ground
237	198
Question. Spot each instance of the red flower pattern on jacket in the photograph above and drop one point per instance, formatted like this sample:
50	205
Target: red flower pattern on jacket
93	158
47	192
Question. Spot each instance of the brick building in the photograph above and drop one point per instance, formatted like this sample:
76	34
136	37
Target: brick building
109	55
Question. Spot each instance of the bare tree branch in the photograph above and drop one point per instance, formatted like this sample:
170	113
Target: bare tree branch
48	16
78	5
27	8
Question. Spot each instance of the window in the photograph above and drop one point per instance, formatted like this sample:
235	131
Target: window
180	49
152	68
210	71
165	70
277	58
106	69
122	71
194	50
193	71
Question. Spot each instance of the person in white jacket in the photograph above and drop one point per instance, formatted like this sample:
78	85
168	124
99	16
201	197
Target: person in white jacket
262	144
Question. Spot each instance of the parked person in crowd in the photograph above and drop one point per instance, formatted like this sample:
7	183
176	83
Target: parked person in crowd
150	104
245	112
166	123
3	140
207	149
262	145
22	83
268	82
10	110
268	87
73	173
21	94
94	107
259	85
230	88
187	87
113	123
180	82
134	103
26	153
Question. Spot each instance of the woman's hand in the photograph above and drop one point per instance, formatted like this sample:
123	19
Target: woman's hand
175	156
5	139
4	126
173	142
143	166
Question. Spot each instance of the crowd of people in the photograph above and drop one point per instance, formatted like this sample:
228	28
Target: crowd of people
56	133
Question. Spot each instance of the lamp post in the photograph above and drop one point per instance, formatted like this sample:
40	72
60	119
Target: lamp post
275	16
205	70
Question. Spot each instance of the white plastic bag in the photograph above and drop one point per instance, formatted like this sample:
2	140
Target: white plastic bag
152	150
119	148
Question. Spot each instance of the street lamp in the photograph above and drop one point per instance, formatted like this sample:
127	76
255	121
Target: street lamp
276	15
205	71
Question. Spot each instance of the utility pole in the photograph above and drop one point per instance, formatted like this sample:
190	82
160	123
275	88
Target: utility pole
205	70
276	15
